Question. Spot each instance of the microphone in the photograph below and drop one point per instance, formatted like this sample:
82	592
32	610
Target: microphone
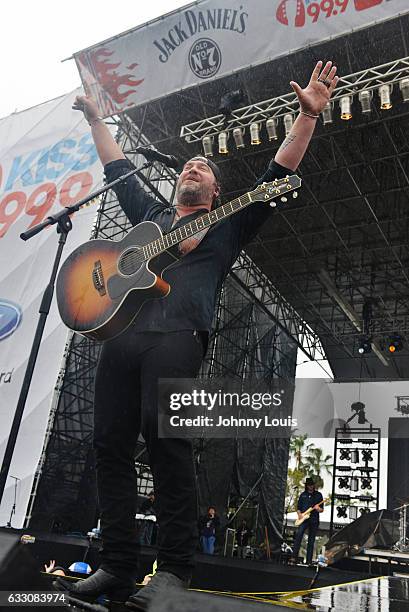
152	155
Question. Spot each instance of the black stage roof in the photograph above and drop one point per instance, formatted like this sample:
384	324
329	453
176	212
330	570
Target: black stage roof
348	231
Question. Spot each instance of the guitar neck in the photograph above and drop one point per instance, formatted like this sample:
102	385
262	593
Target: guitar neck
193	227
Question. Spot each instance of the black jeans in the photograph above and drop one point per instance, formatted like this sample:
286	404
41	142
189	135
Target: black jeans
312	532
125	405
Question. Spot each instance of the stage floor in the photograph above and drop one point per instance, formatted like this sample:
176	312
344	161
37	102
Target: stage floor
380	594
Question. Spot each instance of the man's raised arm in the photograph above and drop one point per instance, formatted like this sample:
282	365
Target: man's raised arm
312	101
107	149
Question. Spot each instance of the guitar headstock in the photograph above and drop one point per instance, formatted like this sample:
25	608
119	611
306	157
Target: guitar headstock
279	188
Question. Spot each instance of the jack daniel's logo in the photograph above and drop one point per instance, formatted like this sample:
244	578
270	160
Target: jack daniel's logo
196	22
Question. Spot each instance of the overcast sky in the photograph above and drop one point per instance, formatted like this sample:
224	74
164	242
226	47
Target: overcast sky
36	36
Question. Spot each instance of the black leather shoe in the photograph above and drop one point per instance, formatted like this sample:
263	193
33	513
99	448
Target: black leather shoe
100	583
161	584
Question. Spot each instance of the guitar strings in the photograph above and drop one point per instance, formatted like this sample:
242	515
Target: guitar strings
136	256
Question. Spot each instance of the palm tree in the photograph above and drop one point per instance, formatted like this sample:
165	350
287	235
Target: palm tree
296	475
317	464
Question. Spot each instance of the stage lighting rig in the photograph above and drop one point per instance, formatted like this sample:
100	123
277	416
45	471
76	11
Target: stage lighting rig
343	482
365	98
288	123
229	101
353	513
365	346
271	127
395	343
366	483
255	134
385	96
222	140
354	484
364	510
342	511
404	88
367	455
358	408
345	104
207	144
345	454
238	134
327	114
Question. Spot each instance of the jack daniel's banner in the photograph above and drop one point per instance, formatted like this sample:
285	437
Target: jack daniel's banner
213	38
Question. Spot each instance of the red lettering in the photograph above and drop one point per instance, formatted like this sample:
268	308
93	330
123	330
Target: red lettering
8	216
82	181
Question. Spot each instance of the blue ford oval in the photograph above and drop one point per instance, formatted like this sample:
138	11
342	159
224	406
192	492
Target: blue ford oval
10	317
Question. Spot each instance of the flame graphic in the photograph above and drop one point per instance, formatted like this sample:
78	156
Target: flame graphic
109	78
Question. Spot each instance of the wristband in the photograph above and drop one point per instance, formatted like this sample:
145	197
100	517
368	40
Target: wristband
92	121
309	115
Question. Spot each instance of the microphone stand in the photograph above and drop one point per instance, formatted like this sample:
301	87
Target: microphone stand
13	510
64	226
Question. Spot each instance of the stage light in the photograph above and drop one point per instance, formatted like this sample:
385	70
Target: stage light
364	510
271	127
255	134
345	454
366	483
354	483
288	123
365	98
343	482
238	134
385	96
355	456
343	497
404	87
327	114
341	511
230	100
365	346
367	455
207	143
222	139
353	513
345	104
395	344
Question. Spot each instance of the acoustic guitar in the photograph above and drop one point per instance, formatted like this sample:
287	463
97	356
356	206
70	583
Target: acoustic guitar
103	284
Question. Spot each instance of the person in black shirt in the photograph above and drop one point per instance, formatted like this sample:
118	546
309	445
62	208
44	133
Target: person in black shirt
168	340
243	535
310	498
208	527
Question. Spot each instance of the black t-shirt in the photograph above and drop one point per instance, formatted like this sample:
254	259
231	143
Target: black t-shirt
307	500
196	279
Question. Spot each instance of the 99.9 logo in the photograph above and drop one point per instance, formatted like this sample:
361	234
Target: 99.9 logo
39	202
295	12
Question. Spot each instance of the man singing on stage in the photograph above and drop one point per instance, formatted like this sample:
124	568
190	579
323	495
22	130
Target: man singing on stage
310	498
168	339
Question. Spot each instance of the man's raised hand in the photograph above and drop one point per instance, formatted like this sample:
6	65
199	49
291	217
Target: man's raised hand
316	95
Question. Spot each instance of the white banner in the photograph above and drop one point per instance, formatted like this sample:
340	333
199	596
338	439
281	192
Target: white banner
47	160
213	38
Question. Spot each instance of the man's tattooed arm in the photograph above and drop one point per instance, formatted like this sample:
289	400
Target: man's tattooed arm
290	138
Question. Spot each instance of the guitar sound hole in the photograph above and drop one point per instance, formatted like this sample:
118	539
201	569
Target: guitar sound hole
130	261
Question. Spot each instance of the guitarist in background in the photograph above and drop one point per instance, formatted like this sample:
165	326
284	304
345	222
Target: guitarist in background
310	498
168	339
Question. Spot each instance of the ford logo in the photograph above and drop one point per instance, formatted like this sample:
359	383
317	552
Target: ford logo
10	317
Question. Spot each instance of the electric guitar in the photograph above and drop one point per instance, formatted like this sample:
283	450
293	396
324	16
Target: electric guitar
103	284
306	515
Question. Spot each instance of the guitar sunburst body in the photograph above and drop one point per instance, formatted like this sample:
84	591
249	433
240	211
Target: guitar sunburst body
99	293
